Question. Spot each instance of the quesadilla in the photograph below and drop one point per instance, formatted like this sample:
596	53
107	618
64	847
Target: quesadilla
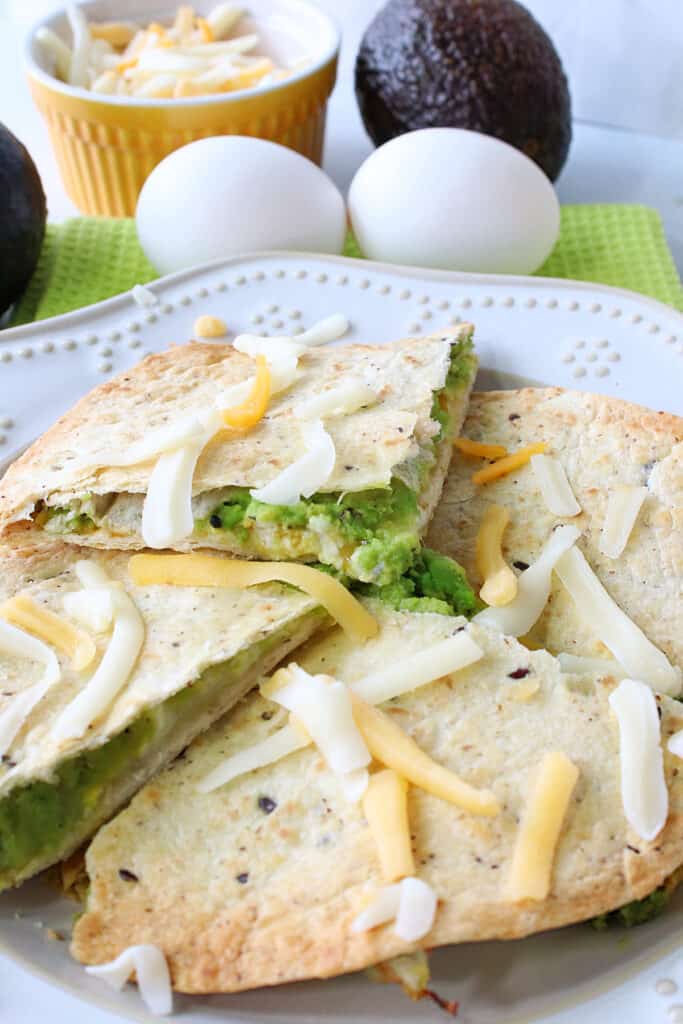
122	680
514	814
611	453
344	466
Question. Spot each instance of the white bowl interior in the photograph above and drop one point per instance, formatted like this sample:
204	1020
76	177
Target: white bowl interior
290	31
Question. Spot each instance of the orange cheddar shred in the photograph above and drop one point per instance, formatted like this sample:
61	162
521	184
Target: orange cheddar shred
480	450
508	464
253	408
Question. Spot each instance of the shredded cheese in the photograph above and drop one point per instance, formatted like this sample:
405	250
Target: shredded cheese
117	662
254	406
614	628
91	607
675	744
19	644
24	612
210	327
643	786
539	831
577	664
411	903
533	588
416	910
151	971
623	507
337	401
198	570
143	296
324	331
508	463
554	486
441	659
385	806
323	705
500	583
168	438
479	450
278	745
167	515
392	747
307	474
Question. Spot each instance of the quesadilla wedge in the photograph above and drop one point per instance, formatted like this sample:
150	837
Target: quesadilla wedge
611	452
380	466
275	876
90	712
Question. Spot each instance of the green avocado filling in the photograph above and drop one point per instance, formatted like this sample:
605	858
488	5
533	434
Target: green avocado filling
640	911
41	820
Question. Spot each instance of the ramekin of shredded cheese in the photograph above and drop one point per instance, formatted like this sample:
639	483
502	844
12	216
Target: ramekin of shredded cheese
122	86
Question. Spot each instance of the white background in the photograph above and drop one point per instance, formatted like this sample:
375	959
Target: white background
605	165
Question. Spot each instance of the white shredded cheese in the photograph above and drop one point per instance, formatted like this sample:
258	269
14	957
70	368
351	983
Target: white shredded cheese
151	970
22	645
169	438
117	662
323	705
577	665
80	47
281	743
325	331
441	659
554	486
416	910
643	785
411	903
381	910
91	608
167	510
623	507
337	401
533	588
144	297
306	475
614	628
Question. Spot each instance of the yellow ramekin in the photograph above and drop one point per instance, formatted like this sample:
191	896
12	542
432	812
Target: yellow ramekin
106	146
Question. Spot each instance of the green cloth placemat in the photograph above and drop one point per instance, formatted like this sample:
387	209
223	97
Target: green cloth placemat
85	260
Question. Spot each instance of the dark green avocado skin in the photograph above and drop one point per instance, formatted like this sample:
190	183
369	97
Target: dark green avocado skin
484	65
23	212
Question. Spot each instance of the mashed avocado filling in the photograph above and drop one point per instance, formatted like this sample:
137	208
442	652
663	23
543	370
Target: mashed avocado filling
370	535
641	911
46	819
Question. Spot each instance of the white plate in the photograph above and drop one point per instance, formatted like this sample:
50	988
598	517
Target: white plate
528	329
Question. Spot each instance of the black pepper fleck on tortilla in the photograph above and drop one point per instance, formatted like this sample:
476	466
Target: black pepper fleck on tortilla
242	878
519	673
521	566
128	876
266	804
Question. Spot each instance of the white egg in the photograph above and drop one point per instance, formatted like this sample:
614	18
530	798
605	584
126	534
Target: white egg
231	194
454	200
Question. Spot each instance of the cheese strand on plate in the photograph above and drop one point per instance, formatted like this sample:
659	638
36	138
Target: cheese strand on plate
533	588
19	644
151	972
643	785
117	662
614	628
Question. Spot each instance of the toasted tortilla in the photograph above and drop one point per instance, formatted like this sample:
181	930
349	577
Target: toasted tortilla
376	445
240	894
601	443
208	644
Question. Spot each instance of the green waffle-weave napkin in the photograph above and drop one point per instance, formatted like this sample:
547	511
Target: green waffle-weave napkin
85	260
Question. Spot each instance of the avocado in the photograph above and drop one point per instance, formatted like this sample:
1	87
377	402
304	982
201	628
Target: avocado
484	65
23	212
